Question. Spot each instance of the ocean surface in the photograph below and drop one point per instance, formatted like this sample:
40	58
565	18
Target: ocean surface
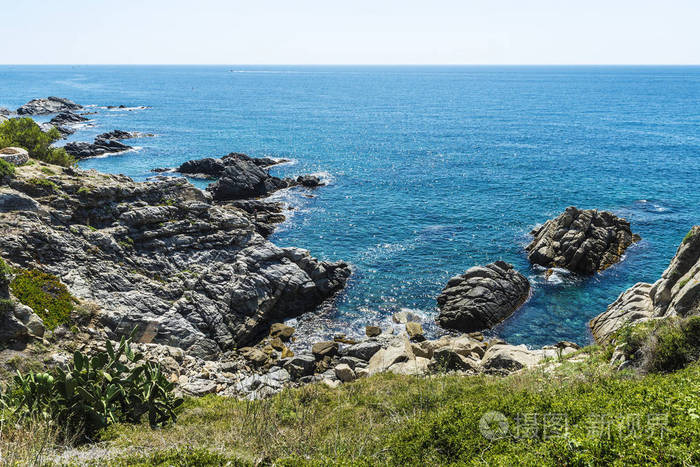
431	170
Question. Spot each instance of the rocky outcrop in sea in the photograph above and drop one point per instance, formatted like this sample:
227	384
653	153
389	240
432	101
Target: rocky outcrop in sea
482	297
676	293
583	241
48	105
100	147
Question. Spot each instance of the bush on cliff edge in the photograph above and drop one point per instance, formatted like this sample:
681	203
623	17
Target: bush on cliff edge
25	133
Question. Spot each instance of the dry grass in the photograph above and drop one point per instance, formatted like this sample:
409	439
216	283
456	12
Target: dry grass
30	442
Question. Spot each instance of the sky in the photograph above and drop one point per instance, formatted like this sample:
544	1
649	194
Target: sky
350	32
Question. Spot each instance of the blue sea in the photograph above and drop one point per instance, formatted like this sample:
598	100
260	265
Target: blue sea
431	170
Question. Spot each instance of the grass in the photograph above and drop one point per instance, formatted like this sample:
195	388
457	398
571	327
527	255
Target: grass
44	294
391	419
43	183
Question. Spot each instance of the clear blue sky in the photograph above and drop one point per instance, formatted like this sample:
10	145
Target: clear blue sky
351	32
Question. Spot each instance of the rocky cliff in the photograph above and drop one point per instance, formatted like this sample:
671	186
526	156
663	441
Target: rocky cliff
158	255
676	293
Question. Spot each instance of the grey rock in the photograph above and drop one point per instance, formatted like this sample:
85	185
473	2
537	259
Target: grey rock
324	349
344	373
363	350
12	200
300	366
373	331
501	357
448	359
47	105
676	293
161	257
482	297
584	241
199	387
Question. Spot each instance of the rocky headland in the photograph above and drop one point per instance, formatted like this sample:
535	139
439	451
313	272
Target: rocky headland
675	294
48	105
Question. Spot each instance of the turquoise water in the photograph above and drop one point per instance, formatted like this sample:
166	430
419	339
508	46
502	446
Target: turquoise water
432	169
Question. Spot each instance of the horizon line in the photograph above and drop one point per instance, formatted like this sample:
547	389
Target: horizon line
368	64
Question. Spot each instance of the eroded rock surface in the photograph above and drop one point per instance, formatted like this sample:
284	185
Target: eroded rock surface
583	241
160	256
482	297
676	293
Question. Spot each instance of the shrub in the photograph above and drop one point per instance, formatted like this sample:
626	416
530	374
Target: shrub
662	346
93	393
43	183
673	346
25	133
44	294
6	169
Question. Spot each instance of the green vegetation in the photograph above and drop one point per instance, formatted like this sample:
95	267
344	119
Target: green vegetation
582	414
25	133
94	393
6	169
688	236
47	171
662	345
44	294
84	190
43	183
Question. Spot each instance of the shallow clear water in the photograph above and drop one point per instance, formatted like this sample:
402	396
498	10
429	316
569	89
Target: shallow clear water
432	169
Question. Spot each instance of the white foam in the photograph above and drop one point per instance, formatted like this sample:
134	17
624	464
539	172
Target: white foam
109	154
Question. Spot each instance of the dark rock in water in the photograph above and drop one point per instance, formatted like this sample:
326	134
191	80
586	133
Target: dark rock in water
676	293
47	105
208	166
482	297
67	118
215	167
309	181
121	134
4	111
243	179
82	150
584	241
161	257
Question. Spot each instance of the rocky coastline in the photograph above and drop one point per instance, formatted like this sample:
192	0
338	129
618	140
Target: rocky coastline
192	274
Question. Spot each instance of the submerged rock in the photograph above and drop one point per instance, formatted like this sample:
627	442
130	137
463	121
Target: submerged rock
48	105
676	293
482	297
584	241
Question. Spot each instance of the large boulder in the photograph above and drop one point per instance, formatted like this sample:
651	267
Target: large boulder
15	156
504	357
48	105
482	297
583	241
214	167
676	293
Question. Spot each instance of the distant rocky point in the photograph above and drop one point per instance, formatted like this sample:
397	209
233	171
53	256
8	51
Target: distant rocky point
48	105
583	241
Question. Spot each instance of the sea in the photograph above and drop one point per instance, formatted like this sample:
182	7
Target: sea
430	170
